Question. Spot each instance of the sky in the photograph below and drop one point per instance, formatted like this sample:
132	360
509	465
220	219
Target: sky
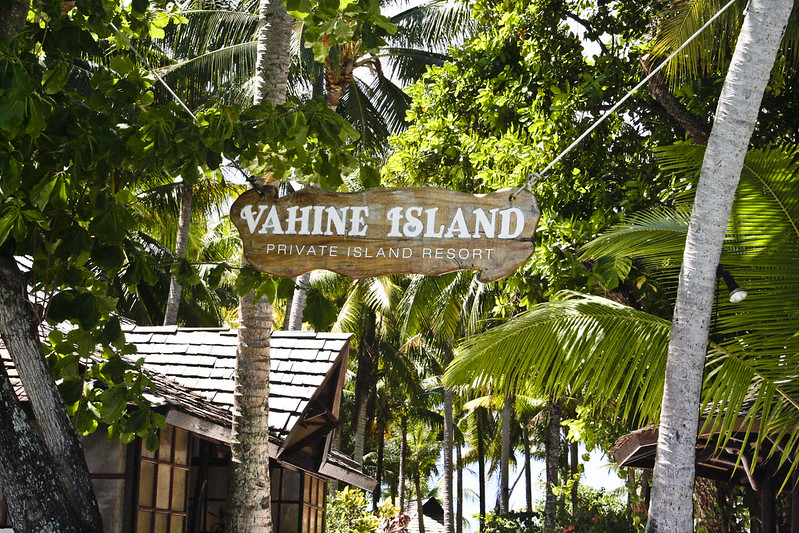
598	474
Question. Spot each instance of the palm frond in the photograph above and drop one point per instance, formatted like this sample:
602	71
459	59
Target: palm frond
709	49
435	23
357	108
392	103
409	64
614	351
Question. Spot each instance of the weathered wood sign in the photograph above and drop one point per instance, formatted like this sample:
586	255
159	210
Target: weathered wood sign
386	231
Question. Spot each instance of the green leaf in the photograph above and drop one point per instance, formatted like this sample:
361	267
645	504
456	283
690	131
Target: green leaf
151	443
61	306
85	423
114	370
138	421
40	194
71	391
114	404
87	310
369	177
319	311
53	80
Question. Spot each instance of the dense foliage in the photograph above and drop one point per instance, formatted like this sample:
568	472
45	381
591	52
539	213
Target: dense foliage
347	513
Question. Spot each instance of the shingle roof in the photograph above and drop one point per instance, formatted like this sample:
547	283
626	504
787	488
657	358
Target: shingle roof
433	516
203	360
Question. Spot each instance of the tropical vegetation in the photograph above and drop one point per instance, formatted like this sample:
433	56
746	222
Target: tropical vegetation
446	373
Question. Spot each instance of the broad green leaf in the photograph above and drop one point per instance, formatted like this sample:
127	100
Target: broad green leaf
114	404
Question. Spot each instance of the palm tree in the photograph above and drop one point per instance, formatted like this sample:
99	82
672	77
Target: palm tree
749	354
441	310
423	453
671	507
249	492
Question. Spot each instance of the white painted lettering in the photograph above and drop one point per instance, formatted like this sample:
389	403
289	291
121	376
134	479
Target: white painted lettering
358	224
394	216
458	225
334	217
272	222
248	215
481	220
303	219
431	224
318	211
414	226
505	231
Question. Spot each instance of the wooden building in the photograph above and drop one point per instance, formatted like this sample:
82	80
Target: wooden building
733	462
183	486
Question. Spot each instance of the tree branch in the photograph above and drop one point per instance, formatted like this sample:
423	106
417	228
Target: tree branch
697	129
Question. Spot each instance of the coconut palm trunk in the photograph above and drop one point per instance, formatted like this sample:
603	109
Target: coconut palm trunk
448	467
417	480
552	460
298	299
249	495
504	482
528	476
481	463
574	470
364	379
181	250
249	492
459	490
673	478
402	464
12	18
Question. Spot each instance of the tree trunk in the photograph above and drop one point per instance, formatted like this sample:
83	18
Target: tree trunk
298	300
367	352
574	465
381	447
481	464
12	18
552	457
249	503
459	490
403	453
249	495
504	463
36	501
181	250
673	479
418	483
448	440
528	475
18	331
272	62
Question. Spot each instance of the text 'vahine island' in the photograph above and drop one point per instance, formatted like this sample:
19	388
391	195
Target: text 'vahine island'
386	231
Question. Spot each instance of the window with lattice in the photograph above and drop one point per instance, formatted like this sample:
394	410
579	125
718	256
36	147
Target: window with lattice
163	484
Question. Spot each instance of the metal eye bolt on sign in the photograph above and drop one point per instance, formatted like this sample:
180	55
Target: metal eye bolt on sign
382	231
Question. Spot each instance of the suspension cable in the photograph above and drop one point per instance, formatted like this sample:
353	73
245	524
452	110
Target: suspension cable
533	177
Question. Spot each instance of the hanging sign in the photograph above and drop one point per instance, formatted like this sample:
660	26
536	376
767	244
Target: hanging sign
386	231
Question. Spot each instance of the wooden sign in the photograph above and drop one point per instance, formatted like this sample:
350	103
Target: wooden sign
386	231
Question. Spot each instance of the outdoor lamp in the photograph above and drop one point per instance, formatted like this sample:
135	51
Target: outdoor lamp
737	294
